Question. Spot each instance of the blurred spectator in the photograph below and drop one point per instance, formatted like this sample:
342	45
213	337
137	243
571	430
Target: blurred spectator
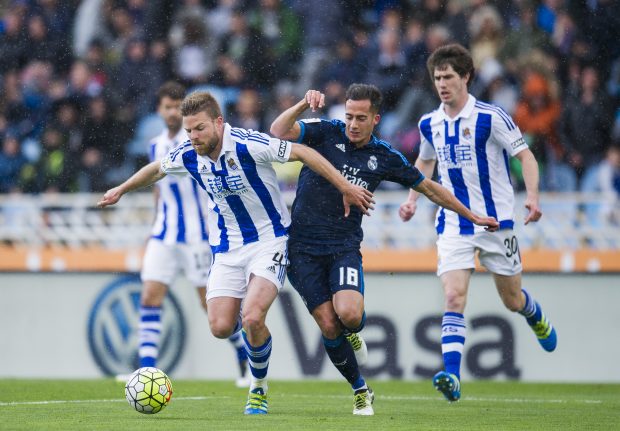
55	170
66	121
219	17
609	183
196	51
493	85
586	123
284	96
36	79
12	41
321	26
15	111
522	40
248	113
42	46
389	70
602	32
82	84
194	44
485	30
121	30
537	115
12	163
138	78
244	58
101	150
456	20
346	67
95	60
280	29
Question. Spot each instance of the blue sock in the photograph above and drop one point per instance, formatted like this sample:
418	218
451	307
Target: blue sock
341	354
531	309
242	357
149	334
453	332
258	358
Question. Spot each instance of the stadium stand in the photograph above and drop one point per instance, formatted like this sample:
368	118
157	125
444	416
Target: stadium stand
554	66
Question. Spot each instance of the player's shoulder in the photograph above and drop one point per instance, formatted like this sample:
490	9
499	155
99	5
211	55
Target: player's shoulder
498	114
385	149
179	150
323	123
249	135
429	117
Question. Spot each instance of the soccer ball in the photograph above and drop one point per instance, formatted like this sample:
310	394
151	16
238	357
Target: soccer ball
148	390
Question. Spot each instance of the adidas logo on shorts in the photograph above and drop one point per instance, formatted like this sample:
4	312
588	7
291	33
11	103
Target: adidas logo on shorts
272	269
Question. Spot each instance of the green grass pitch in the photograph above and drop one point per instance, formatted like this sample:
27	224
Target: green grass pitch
311	405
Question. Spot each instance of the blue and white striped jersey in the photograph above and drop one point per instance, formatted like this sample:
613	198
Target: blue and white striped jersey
181	213
472	152
245	203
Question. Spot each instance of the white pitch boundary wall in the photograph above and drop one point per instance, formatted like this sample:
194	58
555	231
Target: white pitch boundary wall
44	330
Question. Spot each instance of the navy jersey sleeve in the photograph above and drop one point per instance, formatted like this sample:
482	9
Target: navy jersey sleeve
401	171
314	130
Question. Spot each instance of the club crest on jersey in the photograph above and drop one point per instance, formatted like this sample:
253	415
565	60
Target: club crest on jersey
466	133
372	163
232	164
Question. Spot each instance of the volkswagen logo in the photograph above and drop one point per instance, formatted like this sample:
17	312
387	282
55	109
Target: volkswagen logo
113	328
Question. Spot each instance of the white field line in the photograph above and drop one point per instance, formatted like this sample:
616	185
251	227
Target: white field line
379	397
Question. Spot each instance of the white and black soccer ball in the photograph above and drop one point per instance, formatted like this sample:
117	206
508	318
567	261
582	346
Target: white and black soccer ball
148	390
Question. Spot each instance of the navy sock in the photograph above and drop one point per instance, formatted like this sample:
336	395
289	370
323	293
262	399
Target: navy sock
341	354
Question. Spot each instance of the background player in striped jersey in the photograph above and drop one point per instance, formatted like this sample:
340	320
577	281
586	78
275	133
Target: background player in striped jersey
324	247
179	238
471	142
248	221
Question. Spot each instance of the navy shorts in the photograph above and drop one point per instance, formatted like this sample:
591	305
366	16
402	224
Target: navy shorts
317	278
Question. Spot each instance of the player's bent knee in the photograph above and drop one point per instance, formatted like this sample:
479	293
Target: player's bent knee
253	322
351	317
221	328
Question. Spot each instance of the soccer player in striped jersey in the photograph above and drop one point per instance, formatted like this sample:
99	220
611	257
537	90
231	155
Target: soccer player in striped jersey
324	247
471	143
179	238
248	221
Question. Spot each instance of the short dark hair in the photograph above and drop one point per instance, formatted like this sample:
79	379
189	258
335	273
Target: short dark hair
365	92
201	101
171	89
454	55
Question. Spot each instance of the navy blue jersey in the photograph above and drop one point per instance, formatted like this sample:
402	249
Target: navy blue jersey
318	224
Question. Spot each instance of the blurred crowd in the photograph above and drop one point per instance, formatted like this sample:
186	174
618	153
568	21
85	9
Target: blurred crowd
78	78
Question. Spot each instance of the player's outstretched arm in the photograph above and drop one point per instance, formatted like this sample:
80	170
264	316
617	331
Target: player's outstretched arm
351	194
408	208
285	125
442	197
531	179
146	176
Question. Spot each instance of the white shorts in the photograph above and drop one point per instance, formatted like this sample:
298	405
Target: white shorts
230	273
163	262
498	252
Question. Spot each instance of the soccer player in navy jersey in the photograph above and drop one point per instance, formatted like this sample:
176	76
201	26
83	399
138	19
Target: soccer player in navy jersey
248	221
471	142
324	246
